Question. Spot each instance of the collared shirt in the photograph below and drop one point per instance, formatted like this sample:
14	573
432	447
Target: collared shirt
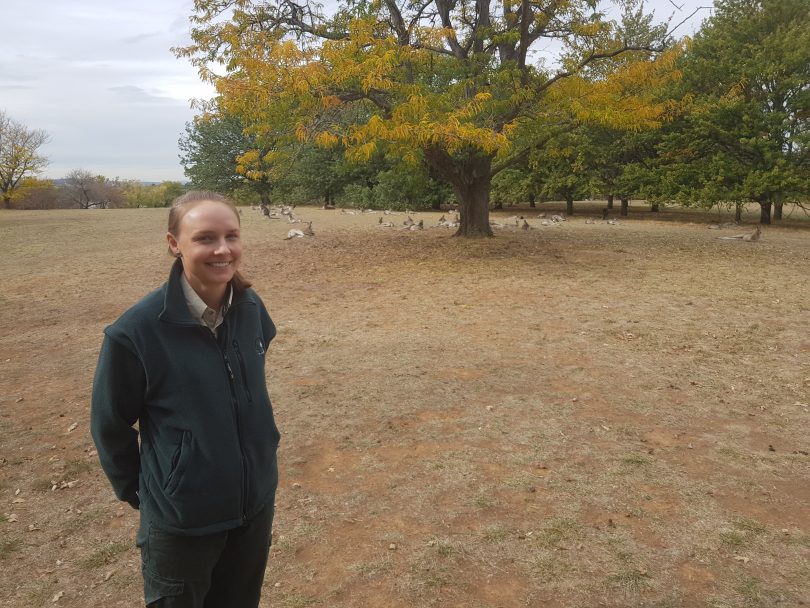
206	315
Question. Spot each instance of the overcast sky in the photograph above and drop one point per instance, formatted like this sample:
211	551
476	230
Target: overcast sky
99	77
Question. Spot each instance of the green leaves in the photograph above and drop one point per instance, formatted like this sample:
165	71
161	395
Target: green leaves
745	134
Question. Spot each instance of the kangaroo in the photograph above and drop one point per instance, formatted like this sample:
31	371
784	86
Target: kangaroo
293	234
748	236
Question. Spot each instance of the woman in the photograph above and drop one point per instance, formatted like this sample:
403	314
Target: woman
187	364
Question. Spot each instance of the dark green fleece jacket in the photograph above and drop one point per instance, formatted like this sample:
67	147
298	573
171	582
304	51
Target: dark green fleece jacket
207	455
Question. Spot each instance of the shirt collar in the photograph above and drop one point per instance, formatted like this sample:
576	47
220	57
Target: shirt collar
200	310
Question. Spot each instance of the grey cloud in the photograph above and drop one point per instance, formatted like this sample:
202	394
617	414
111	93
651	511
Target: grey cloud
140	38
135	94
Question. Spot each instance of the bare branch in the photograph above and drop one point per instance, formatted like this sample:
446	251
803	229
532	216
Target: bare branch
692	14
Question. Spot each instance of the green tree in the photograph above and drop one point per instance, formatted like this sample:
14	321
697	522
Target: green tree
514	186
746	136
450	83
566	168
315	174
218	154
19	155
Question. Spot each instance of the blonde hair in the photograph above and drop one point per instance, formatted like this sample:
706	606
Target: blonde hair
184	203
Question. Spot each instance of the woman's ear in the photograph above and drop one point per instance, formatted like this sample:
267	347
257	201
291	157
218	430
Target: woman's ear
173	246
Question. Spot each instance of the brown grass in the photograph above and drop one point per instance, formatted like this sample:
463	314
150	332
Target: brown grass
584	415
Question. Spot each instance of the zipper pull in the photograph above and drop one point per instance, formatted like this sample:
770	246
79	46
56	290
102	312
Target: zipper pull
228	366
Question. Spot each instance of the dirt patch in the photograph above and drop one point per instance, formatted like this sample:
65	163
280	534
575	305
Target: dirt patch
578	415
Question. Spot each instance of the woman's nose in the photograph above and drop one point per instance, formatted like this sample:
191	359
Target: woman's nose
222	247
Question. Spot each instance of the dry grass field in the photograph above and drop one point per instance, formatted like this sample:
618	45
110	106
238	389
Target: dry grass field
574	416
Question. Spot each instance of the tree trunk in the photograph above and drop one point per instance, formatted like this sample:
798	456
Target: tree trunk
569	205
738	207
6	202
436	205
532	199
474	208
654	208
471	180
765	212
777	210
610	201
625	205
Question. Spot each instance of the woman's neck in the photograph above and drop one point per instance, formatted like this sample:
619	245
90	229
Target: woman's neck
212	295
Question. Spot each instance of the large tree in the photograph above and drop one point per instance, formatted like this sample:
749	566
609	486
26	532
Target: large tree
19	155
458	84
746	136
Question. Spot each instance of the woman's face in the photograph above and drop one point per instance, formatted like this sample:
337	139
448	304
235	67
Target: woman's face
208	239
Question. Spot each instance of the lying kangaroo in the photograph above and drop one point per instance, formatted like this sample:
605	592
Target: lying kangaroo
748	236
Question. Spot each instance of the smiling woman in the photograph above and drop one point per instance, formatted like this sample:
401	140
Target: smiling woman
187	364
204	234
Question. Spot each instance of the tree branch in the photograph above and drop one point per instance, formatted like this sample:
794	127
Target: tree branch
590	59
443	7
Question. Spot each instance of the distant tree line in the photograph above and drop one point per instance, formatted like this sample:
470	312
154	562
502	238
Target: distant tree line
81	189
21	161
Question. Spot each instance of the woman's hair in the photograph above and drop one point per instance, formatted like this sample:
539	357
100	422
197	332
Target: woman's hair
184	203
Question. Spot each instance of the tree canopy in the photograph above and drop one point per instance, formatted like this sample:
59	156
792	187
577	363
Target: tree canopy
745	133
460	85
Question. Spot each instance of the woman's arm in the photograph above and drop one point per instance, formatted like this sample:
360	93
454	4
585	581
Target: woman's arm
118	393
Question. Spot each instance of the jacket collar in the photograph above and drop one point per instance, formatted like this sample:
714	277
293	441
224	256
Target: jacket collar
175	309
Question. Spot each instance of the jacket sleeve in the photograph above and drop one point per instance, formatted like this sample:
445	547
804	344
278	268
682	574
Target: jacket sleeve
268	327
118	394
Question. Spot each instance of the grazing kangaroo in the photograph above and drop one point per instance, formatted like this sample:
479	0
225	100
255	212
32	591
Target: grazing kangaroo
748	236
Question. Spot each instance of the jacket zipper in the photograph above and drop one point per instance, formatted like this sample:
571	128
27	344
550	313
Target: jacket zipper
243	369
235	408
238	433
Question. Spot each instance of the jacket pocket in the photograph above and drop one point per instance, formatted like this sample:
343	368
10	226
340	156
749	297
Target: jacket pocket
179	462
